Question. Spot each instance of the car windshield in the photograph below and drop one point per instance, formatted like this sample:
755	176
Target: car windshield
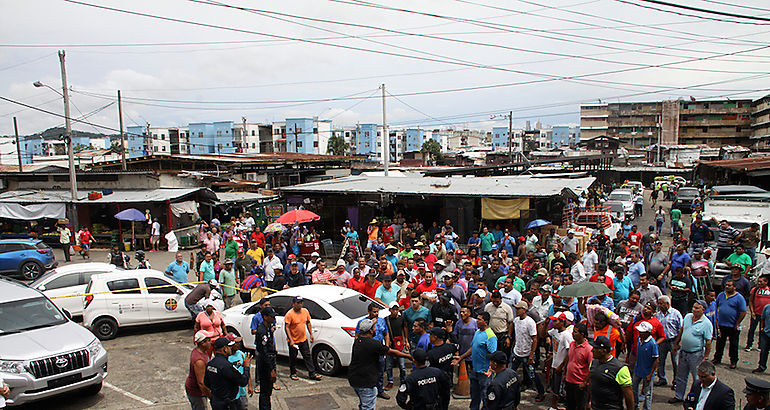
42	245
620	196
688	192
28	314
353	307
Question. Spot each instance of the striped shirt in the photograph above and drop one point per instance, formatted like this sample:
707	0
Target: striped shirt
725	236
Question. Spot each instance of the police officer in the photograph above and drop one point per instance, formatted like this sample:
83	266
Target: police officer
441	354
503	392
265	346
426	388
223	379
757	393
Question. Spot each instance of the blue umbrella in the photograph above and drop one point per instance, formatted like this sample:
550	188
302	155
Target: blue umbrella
133	215
537	223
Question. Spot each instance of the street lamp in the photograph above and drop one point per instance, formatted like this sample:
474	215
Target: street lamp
67	137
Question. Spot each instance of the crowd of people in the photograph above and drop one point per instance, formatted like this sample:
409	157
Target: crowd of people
492	304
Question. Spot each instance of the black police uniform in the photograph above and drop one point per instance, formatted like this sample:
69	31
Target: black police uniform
426	388
756	385
440	357
223	380
264	342
503	392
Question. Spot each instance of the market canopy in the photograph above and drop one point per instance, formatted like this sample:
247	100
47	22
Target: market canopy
32	211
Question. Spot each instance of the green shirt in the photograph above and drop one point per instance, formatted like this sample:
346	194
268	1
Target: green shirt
676	214
406	254
231	249
227	279
743	259
486	242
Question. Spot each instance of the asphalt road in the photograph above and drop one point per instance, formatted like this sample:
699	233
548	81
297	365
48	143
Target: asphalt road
148	366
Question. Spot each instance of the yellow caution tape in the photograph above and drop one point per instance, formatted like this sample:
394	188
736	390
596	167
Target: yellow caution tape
155	287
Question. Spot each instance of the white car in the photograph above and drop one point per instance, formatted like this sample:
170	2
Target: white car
133	298
626	198
334	313
62	284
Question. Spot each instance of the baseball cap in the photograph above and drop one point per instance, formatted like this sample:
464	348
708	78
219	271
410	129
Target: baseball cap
365	325
267	311
494	246
644	327
315	254
440	262
228	262
601	342
497	357
481	293
542	271
200	336
521	305
297	299
233	338
393	304
213	282
438	332
546	288
422	265
222	342
485	259
419	244
440	286
292	256
566	315
459	251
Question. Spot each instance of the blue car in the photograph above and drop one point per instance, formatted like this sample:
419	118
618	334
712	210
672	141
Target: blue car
28	258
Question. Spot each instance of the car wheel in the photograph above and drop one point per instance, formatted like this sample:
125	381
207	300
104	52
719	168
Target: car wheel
233	331
30	270
326	360
93	389
105	328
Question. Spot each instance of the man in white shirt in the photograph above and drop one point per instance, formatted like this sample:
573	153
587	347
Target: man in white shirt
270	264
561	337
155	234
578	271
543	301
570	242
525	347
590	259
510	295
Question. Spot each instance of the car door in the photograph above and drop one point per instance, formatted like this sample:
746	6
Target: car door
10	255
281	304
318	319
126	301
63	291
165	302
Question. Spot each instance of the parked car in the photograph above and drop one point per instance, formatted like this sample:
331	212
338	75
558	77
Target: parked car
625	197
133	298
635	186
334	313
42	352
684	198
719	190
28	258
63	284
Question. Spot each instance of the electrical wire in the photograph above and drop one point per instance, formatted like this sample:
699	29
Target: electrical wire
707	11
8	67
740	6
689	15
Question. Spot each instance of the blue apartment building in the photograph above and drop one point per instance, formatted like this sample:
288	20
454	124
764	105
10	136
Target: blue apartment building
211	138
136	145
415	137
31	146
300	136
500	137
366	139
564	136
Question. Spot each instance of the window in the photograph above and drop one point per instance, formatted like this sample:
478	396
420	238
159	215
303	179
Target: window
64	281
298	130
299	144
123	284
200	134
281	304
219	133
315	130
252	133
253	145
353	307
11	247
316	311
163	148
366	133
315	144
163	136
155	148
153	282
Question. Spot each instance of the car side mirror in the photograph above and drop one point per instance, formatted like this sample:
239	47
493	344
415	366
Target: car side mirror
67	313
179	292
41	288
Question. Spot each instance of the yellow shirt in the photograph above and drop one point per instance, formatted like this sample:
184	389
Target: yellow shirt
256	254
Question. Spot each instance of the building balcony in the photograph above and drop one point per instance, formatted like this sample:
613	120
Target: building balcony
717	110
715	123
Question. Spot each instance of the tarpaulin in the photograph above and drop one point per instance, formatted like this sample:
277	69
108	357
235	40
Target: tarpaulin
186	207
503	208
32	211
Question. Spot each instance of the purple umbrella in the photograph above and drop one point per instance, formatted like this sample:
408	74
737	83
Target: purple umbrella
131	214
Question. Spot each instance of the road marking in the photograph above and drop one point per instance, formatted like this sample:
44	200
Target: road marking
129	394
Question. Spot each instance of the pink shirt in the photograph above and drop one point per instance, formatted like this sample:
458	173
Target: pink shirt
322	276
580	357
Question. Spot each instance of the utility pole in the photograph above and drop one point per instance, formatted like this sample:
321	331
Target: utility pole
510	137
122	137
243	136
18	144
68	141
148	141
385	136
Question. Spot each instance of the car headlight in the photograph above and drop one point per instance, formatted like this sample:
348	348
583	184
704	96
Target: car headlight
95	348
12	366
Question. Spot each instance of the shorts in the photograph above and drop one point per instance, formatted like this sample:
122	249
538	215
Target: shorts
85	247
154	239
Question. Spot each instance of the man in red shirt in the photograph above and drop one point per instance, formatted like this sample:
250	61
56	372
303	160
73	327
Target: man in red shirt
428	257
371	284
632	335
357	281
427	289
577	364
387	234
258	237
85	242
635	237
760	296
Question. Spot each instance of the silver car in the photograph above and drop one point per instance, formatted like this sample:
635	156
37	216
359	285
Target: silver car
42	352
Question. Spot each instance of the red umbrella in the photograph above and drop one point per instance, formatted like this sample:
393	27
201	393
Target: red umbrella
297	216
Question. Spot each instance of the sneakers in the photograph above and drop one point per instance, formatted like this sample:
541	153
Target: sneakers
758	370
388	386
733	365
383	396
747	349
660	383
674	400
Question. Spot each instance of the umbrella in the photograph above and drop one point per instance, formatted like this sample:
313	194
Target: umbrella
273	227
584	289
537	223
131	214
297	216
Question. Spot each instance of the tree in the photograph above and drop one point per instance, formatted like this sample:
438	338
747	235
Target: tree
433	148
337	146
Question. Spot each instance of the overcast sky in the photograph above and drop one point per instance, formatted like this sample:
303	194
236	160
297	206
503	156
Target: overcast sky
539	58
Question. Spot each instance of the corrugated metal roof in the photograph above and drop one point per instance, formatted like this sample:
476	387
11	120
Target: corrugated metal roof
127	196
742	164
228	197
502	186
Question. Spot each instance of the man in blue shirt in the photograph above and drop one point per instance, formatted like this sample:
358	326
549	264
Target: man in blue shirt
764	340
484	344
731	308
635	269
699	233
646	363
694	344
671	320
178	269
679	258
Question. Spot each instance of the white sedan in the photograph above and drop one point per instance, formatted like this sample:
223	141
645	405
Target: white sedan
334	314
63	284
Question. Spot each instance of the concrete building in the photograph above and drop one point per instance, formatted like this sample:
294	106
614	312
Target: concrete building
368	140
565	136
308	135
135	141
211	138
415	137
500	139
279	138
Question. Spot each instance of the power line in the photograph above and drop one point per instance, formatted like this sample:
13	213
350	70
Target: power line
707	11
689	15
26	62
740	6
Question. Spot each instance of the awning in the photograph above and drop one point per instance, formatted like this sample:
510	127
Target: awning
496	209
186	207
32	211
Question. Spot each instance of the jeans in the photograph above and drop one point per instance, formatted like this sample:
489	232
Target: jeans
194	309
725	334
265	385
367	397
687	366
576	397
303	348
390	362
479	383
753	328
530	375
752	252
658	226
664	349
197	402
646	393
764	349
66	248
380	378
